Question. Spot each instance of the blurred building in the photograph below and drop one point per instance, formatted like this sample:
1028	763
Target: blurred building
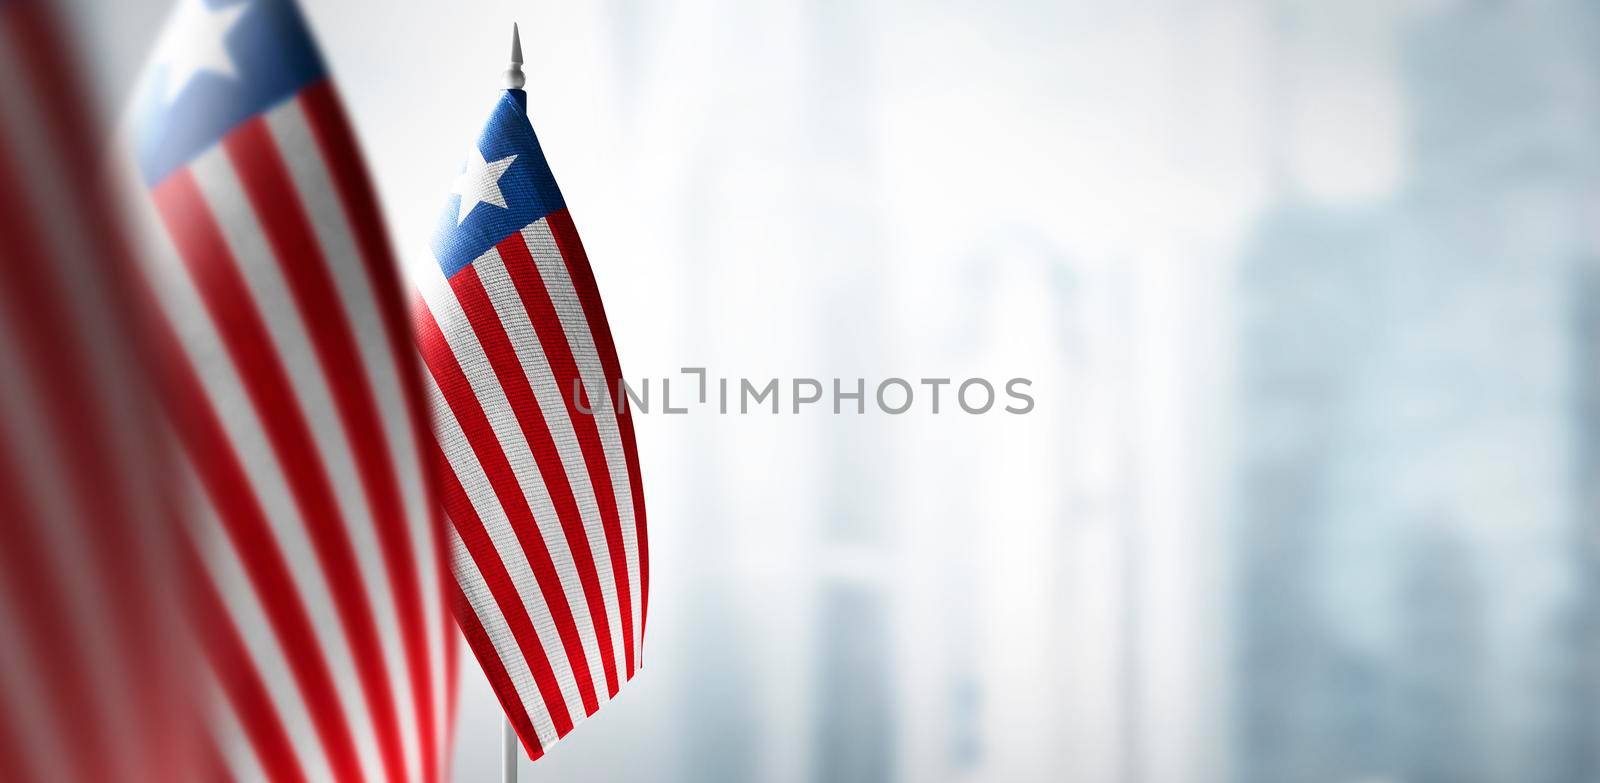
1307	697
1441	659
1414	453
1579	636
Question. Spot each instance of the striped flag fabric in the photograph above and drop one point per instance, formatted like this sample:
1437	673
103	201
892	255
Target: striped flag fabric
539	473
314	559
90	669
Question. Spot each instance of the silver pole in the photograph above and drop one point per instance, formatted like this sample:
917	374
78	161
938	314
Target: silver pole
514	80
514	77
508	752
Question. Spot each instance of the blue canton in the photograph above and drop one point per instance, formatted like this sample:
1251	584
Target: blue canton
528	186
275	58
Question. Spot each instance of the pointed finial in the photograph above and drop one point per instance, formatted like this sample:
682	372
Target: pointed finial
514	77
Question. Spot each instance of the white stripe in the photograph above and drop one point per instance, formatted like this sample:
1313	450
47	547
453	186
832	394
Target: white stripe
552	401
464	345
78	270
75	265
564	296
26	703
312	179
244	430
229	736
64	528
55	200
291	342
42	749
500	636
227	573
464	464
75	268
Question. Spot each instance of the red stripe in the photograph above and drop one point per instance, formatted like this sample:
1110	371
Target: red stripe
34	35
116	527
211	766
247	527
243	330
437	750
492	572
447	582
54	349
510	701
241	683
465	407
341	153
13	764
566	236
451	663
97	474
266	181
342	156
513	379
45	289
199	239
524	274
53	354
46	625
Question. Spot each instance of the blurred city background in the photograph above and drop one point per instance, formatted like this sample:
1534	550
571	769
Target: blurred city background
1309	292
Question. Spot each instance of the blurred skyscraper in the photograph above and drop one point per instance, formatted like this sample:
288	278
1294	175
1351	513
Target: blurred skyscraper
1415	455
1441	659
1579	636
1305	705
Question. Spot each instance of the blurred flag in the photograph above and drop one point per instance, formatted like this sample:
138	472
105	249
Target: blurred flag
547	533
90	666
292	387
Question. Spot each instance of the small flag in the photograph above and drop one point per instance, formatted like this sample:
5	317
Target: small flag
291	384
539	474
91	668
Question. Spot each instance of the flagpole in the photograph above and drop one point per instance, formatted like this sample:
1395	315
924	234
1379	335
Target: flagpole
514	80
508	752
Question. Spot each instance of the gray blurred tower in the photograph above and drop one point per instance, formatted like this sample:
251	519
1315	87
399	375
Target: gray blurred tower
1442	655
1506	99
1577	684
1308	701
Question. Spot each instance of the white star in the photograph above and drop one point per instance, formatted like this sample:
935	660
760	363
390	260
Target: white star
480	183
195	43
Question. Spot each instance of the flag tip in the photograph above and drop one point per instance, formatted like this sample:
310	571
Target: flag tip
514	77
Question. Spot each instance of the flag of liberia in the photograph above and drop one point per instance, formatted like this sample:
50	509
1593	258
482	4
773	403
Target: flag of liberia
539	474
315	558
91	670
